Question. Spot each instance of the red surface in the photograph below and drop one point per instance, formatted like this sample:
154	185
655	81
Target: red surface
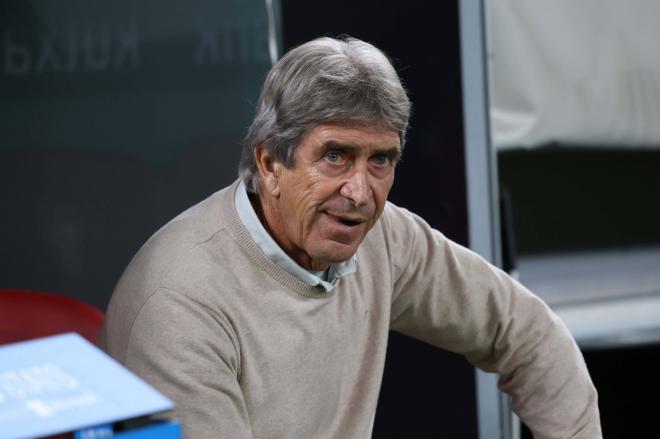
26	314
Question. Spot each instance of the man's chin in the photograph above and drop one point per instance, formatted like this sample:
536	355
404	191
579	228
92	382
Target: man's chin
336	254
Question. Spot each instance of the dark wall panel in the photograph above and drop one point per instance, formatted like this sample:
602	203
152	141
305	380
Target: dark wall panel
427	393
572	199
114	117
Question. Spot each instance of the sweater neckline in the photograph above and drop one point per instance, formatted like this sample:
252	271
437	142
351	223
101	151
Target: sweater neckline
243	237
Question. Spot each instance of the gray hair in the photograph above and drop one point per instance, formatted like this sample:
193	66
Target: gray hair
324	80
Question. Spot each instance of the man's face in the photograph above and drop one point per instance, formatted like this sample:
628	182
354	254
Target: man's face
320	210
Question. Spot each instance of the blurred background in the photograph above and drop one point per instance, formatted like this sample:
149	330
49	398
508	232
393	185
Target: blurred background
116	116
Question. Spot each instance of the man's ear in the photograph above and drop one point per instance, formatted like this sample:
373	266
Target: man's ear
270	170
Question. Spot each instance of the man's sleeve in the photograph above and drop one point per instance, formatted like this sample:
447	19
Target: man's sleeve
188	353
450	297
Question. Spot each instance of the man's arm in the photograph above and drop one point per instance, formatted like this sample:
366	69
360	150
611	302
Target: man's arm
184	350
450	297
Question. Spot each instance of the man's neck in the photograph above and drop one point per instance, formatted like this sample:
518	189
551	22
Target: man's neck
264	207
255	201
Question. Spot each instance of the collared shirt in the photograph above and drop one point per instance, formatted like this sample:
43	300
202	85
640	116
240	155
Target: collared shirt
327	279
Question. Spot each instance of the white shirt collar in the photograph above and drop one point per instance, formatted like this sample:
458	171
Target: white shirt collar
275	253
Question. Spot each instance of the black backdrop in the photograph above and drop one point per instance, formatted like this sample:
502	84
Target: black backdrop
427	393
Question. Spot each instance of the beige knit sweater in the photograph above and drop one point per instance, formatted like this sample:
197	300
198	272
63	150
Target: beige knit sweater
246	350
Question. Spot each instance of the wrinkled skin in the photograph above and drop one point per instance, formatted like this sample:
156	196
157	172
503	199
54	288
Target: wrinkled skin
321	208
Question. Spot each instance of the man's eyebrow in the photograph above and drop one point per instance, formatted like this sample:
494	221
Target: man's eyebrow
332	144
393	152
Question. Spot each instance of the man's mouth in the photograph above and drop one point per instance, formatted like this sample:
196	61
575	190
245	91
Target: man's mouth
346	220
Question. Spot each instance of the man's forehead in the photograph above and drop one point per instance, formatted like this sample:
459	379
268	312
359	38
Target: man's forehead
353	134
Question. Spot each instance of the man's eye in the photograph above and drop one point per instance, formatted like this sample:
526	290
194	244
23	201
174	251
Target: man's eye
333	156
381	160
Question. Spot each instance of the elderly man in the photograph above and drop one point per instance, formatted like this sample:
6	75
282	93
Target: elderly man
264	311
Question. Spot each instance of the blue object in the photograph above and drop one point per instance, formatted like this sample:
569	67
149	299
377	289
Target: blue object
161	430
64	383
97	432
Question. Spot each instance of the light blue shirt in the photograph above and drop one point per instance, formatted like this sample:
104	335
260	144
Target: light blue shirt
327	279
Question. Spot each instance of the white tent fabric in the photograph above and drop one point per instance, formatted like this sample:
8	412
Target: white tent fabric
579	72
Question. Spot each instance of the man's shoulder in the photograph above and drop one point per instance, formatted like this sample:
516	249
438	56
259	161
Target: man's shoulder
177	259
396	220
397	231
180	249
393	211
391	232
198	222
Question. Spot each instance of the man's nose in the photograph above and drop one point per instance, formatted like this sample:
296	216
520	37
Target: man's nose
356	188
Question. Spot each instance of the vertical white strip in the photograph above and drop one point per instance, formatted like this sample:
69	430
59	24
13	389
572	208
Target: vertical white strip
272	32
480	159
496	421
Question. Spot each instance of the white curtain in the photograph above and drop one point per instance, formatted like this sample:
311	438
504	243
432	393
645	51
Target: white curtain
580	72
